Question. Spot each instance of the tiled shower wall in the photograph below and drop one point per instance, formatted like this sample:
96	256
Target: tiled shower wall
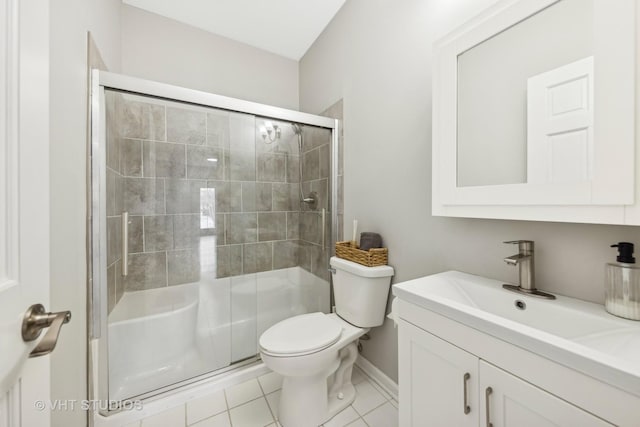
316	177
165	158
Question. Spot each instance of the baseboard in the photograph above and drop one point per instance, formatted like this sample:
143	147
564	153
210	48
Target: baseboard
386	383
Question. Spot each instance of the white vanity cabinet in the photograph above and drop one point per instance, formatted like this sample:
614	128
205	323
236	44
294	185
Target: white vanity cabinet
508	401
442	385
438	381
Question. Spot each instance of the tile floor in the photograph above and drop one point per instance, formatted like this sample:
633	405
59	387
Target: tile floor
255	404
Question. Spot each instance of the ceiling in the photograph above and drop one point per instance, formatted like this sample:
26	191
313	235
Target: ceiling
284	27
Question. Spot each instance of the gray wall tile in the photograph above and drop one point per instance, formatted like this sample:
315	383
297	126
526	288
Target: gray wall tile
163	160
311	165
131	157
146	271
241	228
285	254
220	232
248	197
143	196
199	165
319	262
218	128
272	226
136	237
223	195
242	165
257	257
310	227
113	148
186	126
271	167
229	261
111	287
158	233
183	196
111	177
113	102
142	120
235	196
304	254
186	231
321	188
293	168
183	266
293	225
264	197
286	197
325	161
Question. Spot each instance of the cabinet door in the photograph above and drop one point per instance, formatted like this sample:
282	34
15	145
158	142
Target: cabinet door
438	381
512	402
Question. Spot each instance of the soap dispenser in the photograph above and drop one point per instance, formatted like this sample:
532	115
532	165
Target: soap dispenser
622	287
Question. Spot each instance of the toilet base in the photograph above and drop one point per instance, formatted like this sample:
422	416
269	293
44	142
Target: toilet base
311	401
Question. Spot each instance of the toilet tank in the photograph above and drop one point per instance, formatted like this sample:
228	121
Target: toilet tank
361	292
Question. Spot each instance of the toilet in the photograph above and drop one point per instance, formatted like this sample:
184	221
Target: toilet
315	352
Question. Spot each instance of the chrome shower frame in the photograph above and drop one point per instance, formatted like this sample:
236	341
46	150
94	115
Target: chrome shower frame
101	81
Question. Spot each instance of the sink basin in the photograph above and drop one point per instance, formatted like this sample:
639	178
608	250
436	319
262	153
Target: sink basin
577	334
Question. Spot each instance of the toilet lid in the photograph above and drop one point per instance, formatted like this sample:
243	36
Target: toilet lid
304	334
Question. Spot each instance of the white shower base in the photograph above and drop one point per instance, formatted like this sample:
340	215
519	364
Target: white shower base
166	336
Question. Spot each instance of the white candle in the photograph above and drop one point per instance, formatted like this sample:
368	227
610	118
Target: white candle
355	230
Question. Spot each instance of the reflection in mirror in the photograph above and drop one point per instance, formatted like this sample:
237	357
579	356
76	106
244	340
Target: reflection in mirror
525	101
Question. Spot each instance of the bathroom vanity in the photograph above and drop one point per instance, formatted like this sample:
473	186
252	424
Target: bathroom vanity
474	354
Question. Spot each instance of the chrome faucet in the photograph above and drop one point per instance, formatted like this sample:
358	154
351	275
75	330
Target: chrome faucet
525	261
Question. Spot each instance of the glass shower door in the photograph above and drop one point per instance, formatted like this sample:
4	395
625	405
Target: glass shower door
216	229
169	167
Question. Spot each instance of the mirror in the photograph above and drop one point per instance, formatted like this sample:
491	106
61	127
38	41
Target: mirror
534	113
498	81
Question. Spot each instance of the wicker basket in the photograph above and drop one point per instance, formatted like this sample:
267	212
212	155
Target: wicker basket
372	258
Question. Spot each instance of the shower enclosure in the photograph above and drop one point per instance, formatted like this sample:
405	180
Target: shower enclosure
212	219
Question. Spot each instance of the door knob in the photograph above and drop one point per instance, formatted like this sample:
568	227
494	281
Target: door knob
35	320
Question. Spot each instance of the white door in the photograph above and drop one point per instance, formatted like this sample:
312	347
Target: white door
509	401
24	208
560	124
438	381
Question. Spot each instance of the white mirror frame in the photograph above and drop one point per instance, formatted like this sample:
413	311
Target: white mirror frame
601	200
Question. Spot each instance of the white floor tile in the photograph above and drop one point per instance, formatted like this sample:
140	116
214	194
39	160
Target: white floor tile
171	418
394	403
242	393
220	420
343	418
253	414
380	389
134	424
205	407
383	416
357	423
270	382
367	398
273	400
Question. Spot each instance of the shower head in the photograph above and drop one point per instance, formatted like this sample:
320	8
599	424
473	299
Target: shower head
297	128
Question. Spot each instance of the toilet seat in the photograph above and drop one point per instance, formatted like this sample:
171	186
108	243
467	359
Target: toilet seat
300	335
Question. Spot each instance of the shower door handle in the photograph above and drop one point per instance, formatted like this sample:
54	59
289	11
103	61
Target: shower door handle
35	320
125	243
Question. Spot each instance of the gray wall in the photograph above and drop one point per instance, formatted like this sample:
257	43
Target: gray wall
69	22
161	49
376	55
